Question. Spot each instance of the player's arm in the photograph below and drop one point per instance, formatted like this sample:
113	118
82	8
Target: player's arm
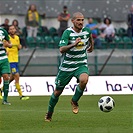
91	44
19	46
64	49
7	43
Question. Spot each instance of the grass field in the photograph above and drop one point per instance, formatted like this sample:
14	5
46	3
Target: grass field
28	116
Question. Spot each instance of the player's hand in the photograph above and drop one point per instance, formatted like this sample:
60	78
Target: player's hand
7	44
90	49
7	53
77	41
19	47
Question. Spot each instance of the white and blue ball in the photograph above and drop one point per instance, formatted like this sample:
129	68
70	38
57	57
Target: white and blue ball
106	103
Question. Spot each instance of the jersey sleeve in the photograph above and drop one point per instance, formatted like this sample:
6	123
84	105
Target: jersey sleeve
64	39
88	30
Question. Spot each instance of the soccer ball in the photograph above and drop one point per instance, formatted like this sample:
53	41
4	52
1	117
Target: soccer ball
106	103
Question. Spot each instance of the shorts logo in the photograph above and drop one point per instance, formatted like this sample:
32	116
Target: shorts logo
13	70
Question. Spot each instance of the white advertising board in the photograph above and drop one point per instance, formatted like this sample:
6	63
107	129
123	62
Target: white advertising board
37	86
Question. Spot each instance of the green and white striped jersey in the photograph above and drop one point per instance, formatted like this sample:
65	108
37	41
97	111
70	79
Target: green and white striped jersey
3	36
76	56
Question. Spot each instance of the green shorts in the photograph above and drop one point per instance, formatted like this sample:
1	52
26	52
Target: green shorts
63	77
4	67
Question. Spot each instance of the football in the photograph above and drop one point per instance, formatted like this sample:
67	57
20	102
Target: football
106	103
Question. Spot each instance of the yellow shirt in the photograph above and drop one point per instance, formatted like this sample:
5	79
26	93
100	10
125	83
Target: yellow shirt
13	52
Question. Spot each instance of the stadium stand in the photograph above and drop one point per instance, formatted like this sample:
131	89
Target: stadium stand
46	62
31	42
116	9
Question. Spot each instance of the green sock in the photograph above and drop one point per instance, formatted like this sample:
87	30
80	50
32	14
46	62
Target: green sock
5	90
78	94
52	102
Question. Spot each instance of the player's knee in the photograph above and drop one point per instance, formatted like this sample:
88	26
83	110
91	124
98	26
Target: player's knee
57	92
83	81
5	77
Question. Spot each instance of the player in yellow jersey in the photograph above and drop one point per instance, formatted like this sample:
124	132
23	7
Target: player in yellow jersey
13	57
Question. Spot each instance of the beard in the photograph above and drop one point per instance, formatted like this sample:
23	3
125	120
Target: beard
79	27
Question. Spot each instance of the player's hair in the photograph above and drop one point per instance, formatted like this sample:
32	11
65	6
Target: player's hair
11	25
76	14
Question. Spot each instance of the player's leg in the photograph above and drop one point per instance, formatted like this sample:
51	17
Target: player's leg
52	103
16	78
15	75
61	81
82	74
5	70
11	78
5	88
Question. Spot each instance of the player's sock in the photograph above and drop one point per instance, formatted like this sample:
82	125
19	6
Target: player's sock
5	90
52	102
19	89
78	94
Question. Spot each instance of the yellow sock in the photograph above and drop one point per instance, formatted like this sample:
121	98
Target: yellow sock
19	89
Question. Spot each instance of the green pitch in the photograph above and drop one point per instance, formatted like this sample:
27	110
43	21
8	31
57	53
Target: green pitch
28	116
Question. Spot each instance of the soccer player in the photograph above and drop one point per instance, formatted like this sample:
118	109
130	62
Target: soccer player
4	63
74	43
13	54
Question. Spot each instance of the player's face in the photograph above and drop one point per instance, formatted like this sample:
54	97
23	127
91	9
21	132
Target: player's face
12	30
78	22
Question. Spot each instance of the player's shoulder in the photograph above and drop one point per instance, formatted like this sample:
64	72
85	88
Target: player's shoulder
86	29
3	30
16	37
67	31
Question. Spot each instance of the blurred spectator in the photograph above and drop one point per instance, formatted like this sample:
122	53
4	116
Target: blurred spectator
32	21
130	22
63	18
5	25
107	30
94	29
19	33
